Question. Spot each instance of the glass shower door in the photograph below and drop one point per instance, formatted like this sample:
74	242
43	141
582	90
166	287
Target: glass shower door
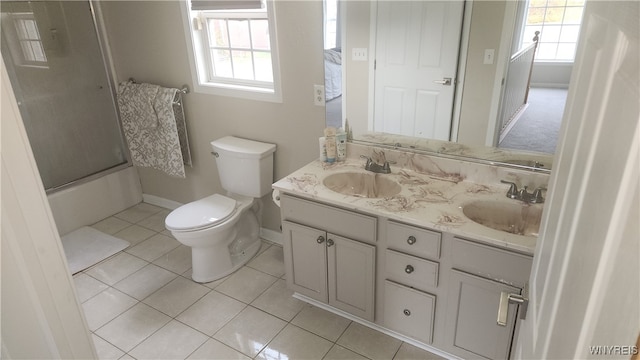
58	73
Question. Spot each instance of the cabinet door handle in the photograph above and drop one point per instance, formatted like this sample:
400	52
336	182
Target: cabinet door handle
329	243
510	298
411	240
407	312
320	239
409	269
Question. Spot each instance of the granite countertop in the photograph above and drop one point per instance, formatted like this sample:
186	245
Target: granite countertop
426	199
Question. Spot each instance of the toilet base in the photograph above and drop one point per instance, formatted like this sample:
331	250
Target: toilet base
210	264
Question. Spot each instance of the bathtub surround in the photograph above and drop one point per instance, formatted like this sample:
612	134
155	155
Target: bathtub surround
91	201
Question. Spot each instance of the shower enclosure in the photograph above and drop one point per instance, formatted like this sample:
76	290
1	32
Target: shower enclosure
58	65
58	73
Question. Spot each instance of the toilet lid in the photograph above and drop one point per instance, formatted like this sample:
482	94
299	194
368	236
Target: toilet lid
201	213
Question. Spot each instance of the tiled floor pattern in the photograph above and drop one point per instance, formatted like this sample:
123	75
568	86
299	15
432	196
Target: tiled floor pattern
141	303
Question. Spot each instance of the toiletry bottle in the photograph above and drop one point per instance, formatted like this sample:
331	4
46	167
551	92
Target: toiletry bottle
322	141
341	145
330	143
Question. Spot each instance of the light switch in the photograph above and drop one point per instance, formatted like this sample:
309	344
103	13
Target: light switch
488	56
359	54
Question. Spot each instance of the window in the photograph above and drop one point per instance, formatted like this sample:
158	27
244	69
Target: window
234	48
331	31
559	24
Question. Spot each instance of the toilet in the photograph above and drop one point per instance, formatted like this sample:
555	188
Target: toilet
223	230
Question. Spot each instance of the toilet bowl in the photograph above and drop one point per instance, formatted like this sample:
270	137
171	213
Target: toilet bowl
223	230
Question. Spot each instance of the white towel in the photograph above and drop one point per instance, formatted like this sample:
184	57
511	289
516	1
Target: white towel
149	125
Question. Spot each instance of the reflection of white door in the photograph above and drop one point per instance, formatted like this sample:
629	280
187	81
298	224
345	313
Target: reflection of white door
585	281
417	46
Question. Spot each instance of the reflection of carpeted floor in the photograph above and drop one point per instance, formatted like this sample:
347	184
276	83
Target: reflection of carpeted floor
537	129
334	112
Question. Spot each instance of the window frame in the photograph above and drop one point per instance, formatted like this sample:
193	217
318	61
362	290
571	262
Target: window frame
525	42
200	61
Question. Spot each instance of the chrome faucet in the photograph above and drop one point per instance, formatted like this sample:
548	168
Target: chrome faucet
373	166
522	194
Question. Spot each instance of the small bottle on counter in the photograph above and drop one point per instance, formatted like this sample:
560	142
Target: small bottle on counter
341	145
330	143
322	142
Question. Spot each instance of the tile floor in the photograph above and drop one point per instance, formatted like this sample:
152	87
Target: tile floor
141	303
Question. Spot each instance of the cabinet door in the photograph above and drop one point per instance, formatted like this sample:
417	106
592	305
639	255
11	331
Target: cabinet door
351	276
305	260
472	317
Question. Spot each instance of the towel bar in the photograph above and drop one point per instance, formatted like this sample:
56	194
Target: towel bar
184	90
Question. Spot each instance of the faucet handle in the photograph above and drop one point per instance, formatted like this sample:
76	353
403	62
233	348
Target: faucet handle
536	197
367	166
386	168
513	189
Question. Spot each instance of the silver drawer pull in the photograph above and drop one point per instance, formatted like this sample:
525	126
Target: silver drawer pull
329	243
409	269
411	240
407	312
320	239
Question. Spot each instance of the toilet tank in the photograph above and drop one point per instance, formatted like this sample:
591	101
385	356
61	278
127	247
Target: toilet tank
245	166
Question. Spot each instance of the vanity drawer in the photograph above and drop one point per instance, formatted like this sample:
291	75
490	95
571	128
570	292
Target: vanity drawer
409	312
490	262
340	222
410	270
413	240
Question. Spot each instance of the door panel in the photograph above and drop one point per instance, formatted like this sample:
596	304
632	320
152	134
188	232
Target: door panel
472	315
417	43
305	259
351	276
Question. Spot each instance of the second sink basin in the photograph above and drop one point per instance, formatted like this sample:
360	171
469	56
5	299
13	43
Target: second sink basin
369	185
512	217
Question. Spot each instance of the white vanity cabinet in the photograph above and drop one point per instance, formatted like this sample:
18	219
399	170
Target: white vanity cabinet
434	288
330	255
480	280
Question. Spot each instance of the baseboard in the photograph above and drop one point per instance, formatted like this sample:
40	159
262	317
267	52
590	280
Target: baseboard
271	235
550	85
162	202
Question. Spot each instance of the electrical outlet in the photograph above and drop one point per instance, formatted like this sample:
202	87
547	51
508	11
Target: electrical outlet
488	56
318	95
359	54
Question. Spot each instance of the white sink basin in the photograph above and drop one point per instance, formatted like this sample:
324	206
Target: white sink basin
512	217
369	185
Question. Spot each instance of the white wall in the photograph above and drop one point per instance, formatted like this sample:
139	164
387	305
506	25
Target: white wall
551	75
148	43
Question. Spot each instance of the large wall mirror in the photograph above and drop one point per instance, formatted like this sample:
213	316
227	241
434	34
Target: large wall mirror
439	77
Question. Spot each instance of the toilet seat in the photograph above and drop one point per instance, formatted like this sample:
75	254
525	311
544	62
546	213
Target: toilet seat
201	214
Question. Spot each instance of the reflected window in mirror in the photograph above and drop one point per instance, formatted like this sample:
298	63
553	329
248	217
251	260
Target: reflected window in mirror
559	25
332	63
